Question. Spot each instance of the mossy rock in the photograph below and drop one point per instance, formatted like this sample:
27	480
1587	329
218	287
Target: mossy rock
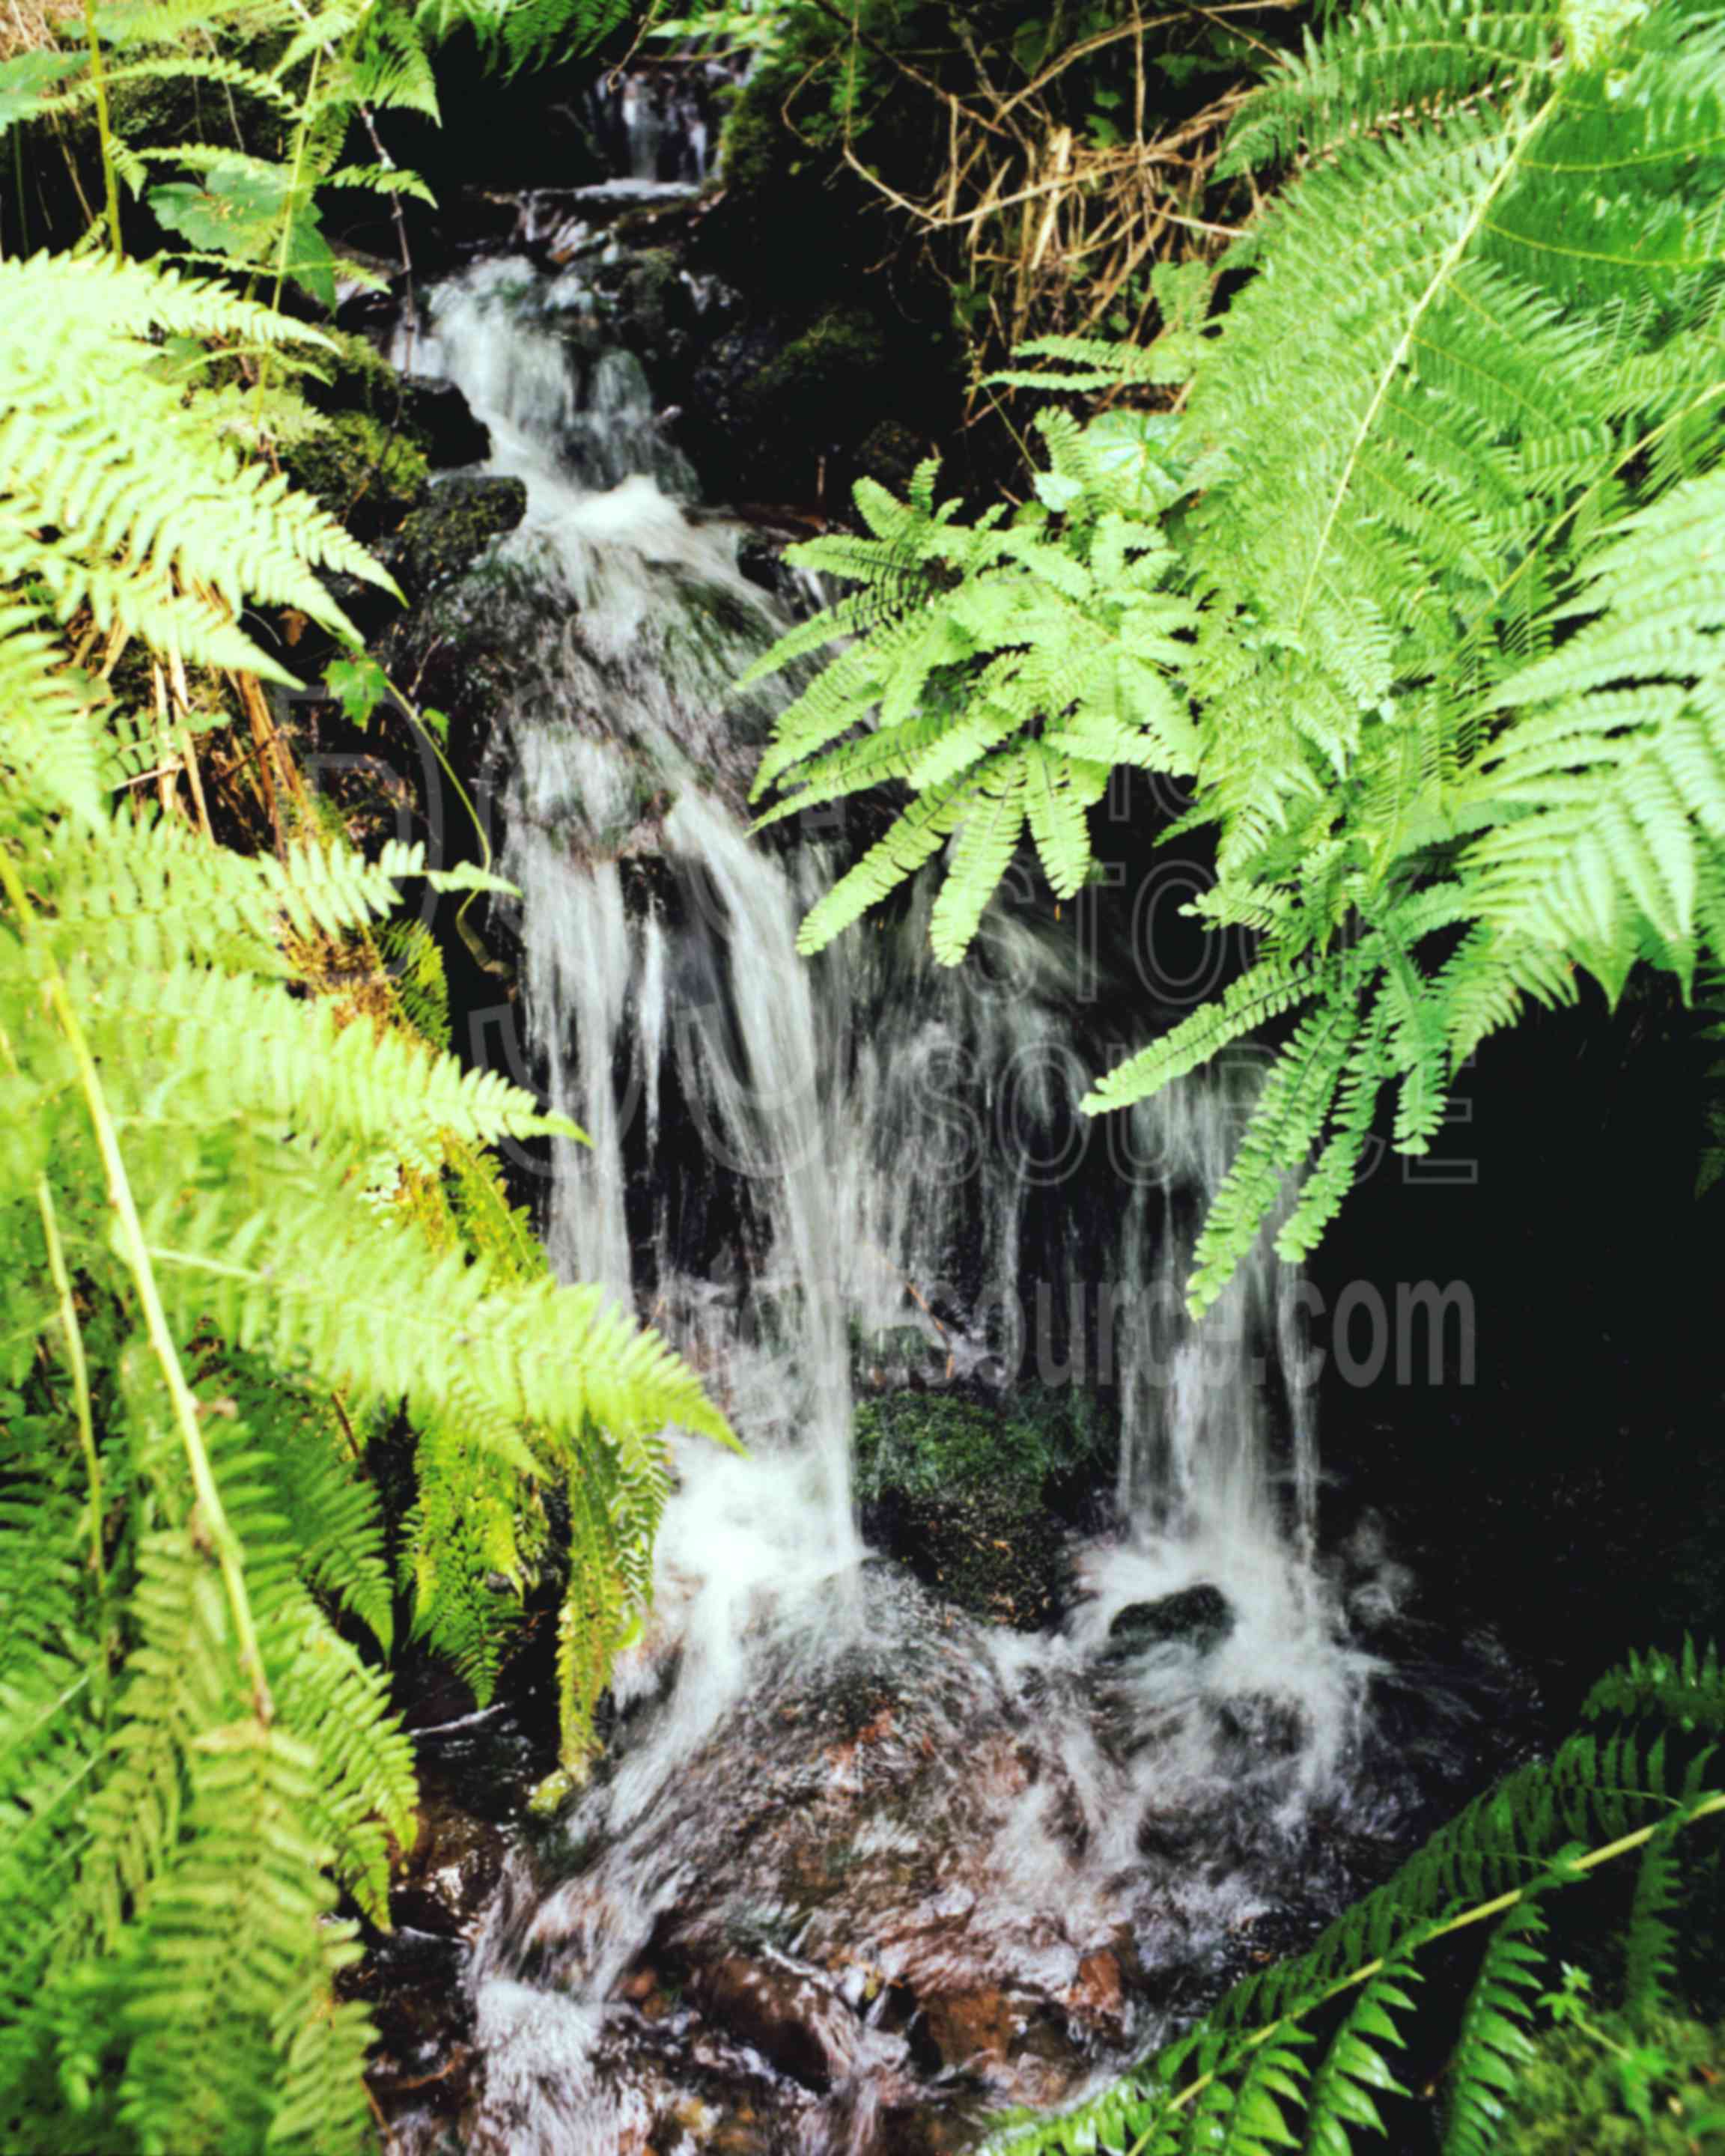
654	308
1573	2097
757	150
775	398
977	1499
930	1446
361	468
452	527
838	357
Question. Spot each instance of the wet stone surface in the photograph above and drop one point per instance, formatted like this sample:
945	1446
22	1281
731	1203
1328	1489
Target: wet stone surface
899	1886
1198	1617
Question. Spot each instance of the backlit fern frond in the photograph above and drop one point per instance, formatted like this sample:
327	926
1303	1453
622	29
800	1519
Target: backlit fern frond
116	496
1002	669
245	1233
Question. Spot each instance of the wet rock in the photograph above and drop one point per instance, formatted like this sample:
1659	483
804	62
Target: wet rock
904	1894
444	423
793	2022
453	526
968	2027
975	1498
981	1550
1263	1725
1200	1617
1096	1992
451	1867
413	1982
760	556
655	309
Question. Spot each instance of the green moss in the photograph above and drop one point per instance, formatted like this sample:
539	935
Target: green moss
1605	2088
453	525
842	348
930	1444
976	1499
755	146
649	287
359	467
926	1444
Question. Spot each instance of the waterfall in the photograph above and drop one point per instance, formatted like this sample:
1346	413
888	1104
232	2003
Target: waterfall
789	1156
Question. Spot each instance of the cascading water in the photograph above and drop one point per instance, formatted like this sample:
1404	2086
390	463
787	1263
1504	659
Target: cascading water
855	1864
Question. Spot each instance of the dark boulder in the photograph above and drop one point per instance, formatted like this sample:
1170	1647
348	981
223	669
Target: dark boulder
453	525
443	423
1198	1617
443	1883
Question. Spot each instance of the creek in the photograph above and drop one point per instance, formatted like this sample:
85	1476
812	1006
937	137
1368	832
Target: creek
859	1867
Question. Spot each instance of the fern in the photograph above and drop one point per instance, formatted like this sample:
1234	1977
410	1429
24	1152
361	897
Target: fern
1495	2043
1004	668
1300	2054
1420	585
248	1230
306	77
1354	2072
521	33
1651	1961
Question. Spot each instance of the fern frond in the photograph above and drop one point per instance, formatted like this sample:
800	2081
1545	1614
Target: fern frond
1495	2043
1258	996
156	526
1650	1969
1354	2073
1420	586
914	838
982	852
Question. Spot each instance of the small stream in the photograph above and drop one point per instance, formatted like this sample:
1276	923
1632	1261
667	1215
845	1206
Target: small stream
858	1869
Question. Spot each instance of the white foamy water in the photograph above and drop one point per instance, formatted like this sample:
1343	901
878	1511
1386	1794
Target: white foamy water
789	1158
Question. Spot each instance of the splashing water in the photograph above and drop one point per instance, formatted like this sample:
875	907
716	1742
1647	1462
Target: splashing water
872	1859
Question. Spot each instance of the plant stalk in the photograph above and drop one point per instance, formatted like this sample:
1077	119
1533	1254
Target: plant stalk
105	128
217	1527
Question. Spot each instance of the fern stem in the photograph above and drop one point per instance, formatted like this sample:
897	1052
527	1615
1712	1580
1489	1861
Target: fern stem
410	312
1704	1808
1405	344
302	135
105	127
216	1525
410	711
79	1366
